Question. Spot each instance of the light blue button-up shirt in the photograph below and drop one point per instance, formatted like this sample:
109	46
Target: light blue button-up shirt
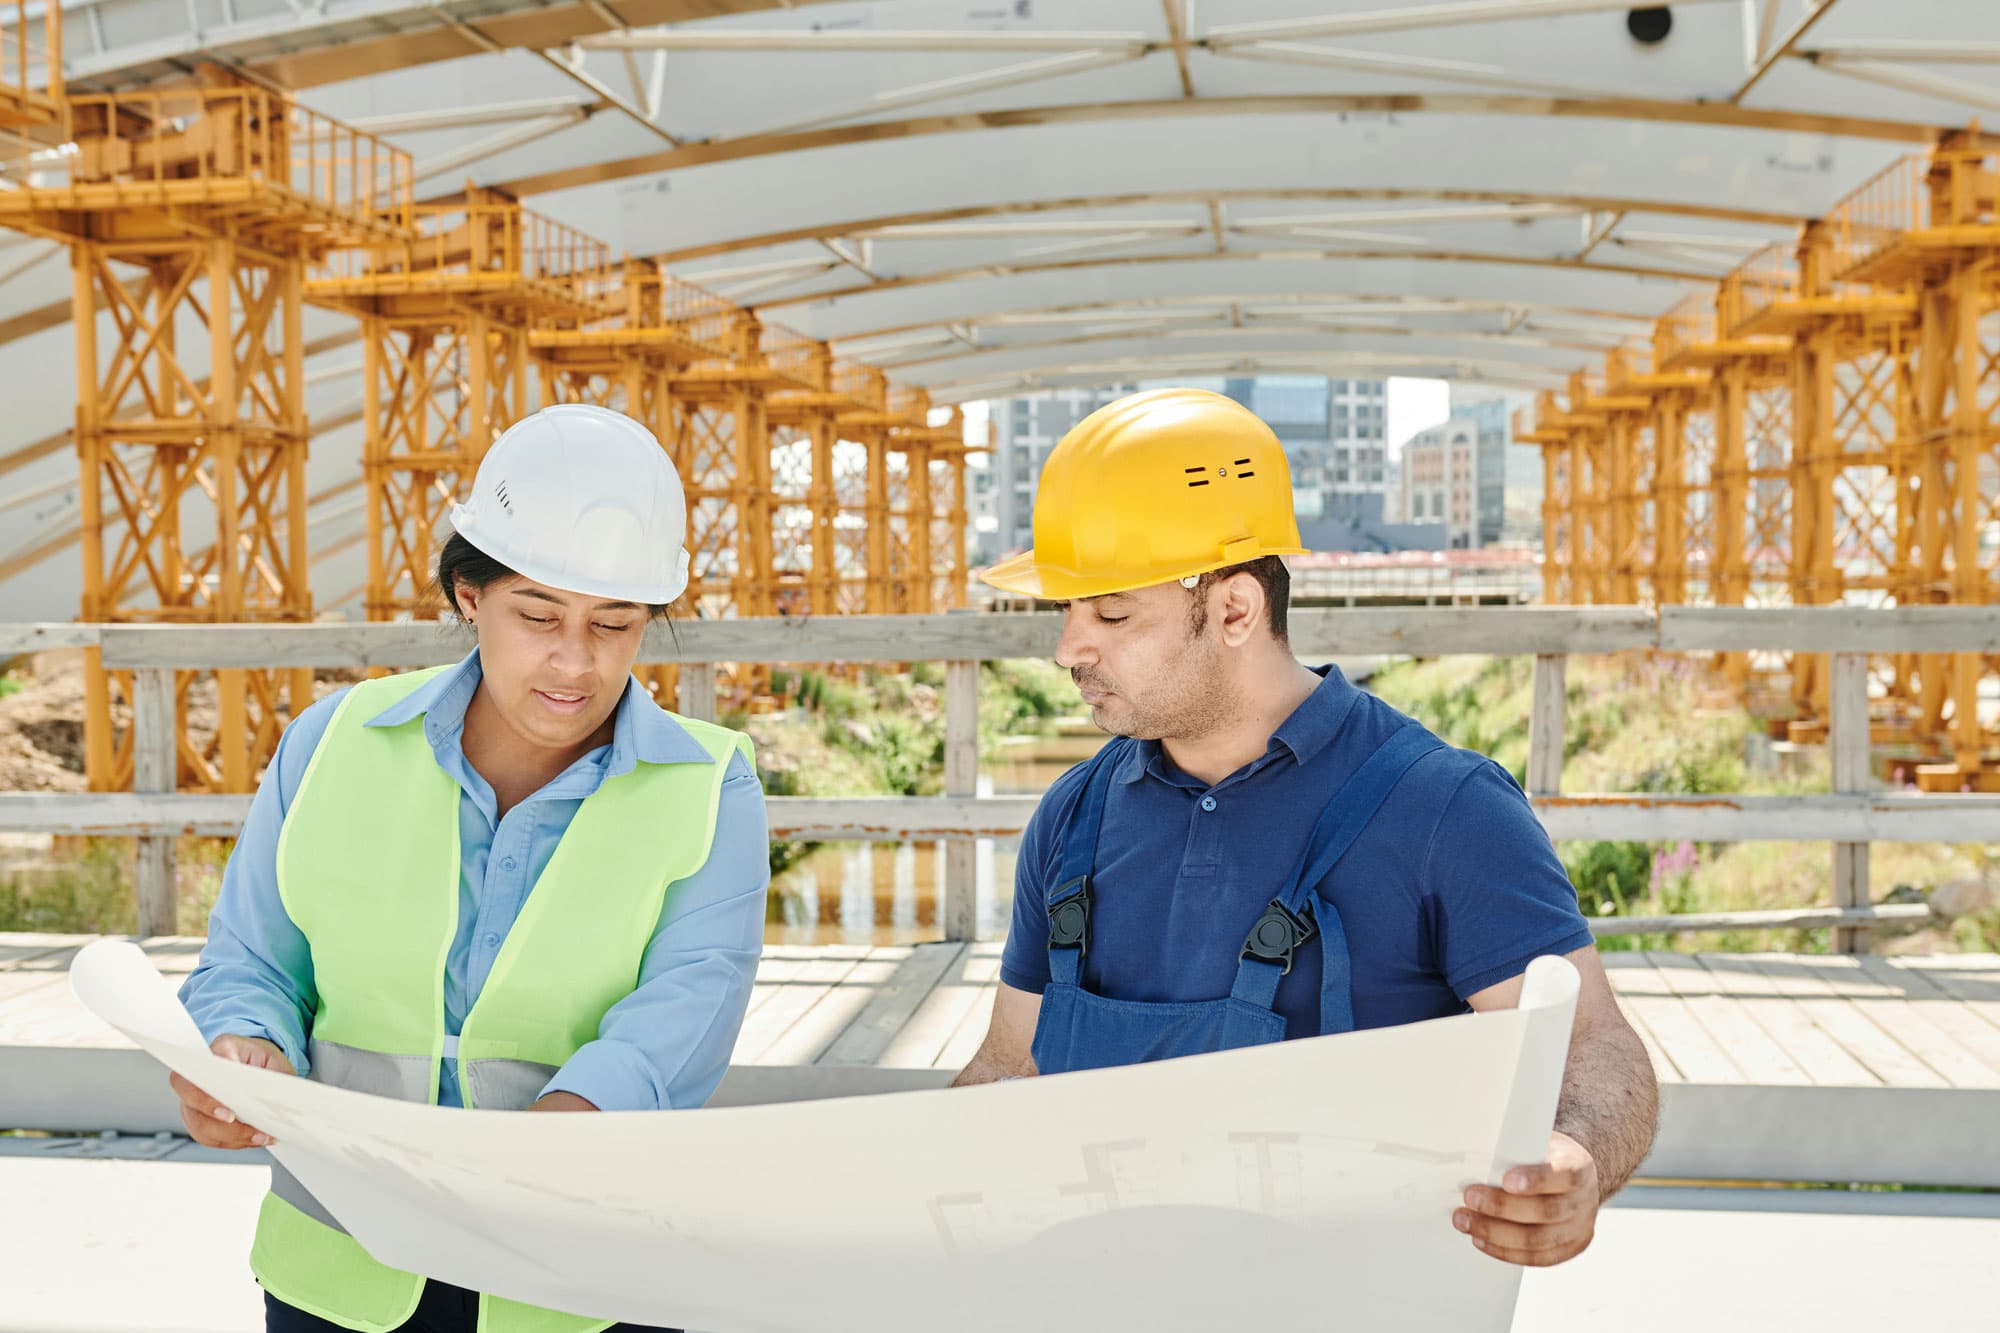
665	1045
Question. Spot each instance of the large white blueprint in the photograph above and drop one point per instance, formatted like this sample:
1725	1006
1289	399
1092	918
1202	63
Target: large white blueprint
1303	1185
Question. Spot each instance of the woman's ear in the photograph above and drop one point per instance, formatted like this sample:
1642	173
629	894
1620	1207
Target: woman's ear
467	598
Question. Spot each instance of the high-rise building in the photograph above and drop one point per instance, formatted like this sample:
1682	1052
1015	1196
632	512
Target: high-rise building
1334	433
1458	473
1024	430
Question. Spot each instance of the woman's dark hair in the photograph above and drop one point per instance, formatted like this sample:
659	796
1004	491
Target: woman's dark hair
462	562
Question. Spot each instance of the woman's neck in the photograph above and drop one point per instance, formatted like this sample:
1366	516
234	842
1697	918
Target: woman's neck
515	767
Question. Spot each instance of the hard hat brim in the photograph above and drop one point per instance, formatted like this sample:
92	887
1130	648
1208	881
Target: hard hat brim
646	594
1051	583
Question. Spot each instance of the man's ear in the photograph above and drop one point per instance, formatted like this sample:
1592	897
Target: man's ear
1241	610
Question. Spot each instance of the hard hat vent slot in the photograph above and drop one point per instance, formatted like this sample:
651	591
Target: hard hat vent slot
1200	472
500	493
1241	463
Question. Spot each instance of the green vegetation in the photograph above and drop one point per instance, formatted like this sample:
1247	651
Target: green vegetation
1640	726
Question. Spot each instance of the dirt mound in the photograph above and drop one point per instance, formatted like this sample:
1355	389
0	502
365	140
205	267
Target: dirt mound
41	725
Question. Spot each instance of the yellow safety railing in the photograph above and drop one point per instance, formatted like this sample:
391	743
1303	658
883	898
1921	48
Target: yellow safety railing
789	353
243	136
1896	200
31	51
493	243
701	316
1765	279
1688	325
852	379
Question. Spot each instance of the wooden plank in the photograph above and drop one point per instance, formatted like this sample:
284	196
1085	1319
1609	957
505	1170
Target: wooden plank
1877	818
697	692
1951	1016
987	637
1767	919
40	638
1835	1015
821	1025
1825	1061
931	1027
892	1005
1546	717
20	947
1761	1058
1886	1002
1886	817
971	1032
1643	991
775	1016
155	728
1830	629
1847	736
1973	981
961	780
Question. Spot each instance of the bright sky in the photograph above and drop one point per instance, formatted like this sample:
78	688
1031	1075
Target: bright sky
1415	405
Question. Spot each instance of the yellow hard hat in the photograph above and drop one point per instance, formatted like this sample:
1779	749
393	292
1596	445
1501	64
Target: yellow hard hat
1155	487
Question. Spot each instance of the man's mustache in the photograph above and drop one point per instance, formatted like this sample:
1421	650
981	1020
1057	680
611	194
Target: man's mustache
1085	681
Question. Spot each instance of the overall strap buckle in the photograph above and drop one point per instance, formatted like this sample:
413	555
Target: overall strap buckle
1069	916
1278	935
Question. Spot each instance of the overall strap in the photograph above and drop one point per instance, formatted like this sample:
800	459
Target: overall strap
1296	915
1068	903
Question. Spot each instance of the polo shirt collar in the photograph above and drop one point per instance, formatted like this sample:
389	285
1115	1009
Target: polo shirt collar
641	731
1315	722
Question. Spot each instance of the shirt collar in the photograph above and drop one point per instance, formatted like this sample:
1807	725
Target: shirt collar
1310	729
641	731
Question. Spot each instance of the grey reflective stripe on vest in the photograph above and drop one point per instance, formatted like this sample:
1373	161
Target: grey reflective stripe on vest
403	1078
505	1085
288	1187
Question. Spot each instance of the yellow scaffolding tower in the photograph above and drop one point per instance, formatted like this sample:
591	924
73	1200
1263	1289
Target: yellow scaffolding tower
1931	224
195	209
445	313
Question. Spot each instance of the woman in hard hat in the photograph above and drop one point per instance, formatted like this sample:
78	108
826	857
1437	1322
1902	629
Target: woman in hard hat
1264	851
513	883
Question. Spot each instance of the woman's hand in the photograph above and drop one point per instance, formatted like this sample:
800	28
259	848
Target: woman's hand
210	1122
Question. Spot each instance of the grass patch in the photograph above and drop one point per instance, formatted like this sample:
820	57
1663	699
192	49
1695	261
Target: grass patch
1638	725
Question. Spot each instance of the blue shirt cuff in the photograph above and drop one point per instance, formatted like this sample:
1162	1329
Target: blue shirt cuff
287	1042
612	1076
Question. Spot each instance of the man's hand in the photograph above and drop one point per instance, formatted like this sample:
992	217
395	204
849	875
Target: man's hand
561	1101
213	1124
1546	1213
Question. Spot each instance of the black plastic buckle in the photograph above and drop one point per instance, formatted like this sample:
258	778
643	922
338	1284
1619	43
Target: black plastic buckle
1277	936
1069	917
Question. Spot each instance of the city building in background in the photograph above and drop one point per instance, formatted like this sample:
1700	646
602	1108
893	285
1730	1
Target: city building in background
1334	432
1024	430
1464	474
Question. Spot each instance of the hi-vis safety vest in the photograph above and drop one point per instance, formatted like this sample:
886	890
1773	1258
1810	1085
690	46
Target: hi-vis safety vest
368	869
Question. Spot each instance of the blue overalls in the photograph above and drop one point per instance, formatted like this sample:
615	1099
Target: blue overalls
1081	1030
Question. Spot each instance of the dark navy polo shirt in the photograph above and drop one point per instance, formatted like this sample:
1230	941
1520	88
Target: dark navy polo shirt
1452	888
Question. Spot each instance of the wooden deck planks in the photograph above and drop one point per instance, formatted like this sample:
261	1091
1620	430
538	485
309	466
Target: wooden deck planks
923	1039
1761	1057
1825	1061
1811	981
892	1005
808	1038
1644	993
1781	1020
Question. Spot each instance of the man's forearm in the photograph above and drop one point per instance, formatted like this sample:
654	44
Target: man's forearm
1610	1102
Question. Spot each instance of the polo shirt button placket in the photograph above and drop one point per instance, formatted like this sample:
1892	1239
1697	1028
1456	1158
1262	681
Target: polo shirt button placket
1208	803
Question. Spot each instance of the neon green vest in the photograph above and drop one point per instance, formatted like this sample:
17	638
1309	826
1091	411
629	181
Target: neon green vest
368	870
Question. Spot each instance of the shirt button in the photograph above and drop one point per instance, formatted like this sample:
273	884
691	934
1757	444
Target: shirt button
507	864
492	941
1208	803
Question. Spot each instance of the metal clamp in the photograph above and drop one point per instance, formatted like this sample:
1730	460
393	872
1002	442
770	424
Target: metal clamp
1069	916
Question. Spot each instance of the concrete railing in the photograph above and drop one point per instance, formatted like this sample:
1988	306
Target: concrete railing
1850	818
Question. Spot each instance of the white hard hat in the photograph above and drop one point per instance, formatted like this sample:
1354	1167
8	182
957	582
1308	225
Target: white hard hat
583	499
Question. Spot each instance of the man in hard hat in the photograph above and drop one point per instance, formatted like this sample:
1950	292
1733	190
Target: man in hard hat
1264	851
514	883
